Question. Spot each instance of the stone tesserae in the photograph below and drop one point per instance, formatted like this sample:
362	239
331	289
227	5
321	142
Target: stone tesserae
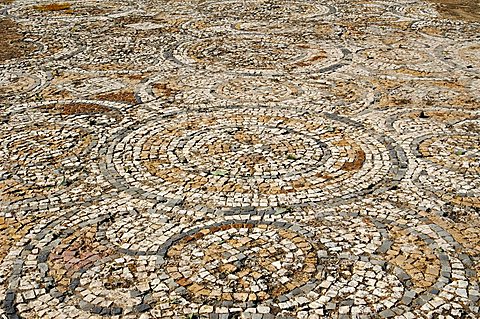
252	159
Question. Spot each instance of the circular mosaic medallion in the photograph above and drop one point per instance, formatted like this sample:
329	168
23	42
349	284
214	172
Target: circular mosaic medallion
454	176
258	90
342	95
405	58
441	31
421	93
415	11
455	152
306	29
14	84
398	56
45	147
445	158
369	10
241	262
339	93
249	157
423	120
378	257
465	55
258	54
264	10
109	56
39	160
275	265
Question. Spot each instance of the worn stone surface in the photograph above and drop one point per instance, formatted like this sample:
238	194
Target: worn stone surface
239	159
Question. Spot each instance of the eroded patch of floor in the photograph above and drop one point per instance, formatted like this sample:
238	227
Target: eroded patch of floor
468	10
12	41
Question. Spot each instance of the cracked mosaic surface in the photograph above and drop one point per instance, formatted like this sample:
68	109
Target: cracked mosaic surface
251	159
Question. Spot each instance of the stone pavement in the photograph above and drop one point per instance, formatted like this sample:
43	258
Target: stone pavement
239	159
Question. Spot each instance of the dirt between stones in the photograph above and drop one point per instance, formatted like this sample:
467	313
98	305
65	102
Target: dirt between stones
468	10
11	40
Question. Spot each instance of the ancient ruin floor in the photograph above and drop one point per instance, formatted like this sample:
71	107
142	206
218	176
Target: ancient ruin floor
239	159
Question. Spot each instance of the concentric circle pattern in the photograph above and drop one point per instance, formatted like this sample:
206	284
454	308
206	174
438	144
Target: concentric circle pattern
277	262
457	157
239	159
415	56
12	84
45	150
465	55
253	90
269	264
455	94
39	159
339	93
263	10
258	54
462	150
251	157
444	150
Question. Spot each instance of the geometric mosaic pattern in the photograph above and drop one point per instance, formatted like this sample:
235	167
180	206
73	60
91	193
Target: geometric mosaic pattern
239	159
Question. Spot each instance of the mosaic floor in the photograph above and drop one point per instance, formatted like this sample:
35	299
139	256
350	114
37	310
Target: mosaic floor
239	159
